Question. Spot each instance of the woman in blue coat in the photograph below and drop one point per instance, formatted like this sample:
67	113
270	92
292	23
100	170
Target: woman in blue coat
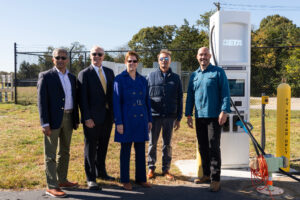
133	121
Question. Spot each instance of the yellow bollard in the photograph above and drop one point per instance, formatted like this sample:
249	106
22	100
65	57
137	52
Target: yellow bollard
283	122
199	163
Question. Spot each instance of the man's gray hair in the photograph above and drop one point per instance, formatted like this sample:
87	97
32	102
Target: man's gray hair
59	50
96	47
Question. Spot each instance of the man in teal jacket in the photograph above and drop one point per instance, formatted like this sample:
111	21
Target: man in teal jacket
208	92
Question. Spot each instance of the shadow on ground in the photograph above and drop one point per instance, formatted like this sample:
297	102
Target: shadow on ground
186	190
157	192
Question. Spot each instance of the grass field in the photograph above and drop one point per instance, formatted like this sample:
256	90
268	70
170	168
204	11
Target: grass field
26	95
22	160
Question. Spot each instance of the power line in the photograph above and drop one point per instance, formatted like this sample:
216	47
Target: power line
259	7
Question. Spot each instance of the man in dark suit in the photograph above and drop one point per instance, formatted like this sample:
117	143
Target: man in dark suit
58	111
96	91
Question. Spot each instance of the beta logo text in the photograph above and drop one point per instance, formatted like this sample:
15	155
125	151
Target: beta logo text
232	43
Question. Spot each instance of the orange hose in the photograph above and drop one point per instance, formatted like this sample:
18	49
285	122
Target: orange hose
261	175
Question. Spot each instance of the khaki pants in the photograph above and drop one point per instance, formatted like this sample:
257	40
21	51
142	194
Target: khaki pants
57	166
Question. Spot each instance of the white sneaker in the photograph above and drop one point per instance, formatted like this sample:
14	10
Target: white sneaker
92	185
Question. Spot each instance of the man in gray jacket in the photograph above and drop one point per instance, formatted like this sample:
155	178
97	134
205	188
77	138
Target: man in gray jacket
165	91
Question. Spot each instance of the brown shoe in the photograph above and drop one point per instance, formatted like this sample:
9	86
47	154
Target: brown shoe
144	184
215	186
168	176
203	179
68	184
57	193
150	174
127	186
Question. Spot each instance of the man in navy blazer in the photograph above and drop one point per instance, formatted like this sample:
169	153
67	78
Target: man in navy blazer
58	109
96	91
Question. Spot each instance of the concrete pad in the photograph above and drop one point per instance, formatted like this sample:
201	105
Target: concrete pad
189	168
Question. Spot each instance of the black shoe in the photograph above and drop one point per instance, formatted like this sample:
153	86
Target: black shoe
106	177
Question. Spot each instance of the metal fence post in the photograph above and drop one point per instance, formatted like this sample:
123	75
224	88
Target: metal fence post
5	96
11	86
70	55
84	59
15	81
2	86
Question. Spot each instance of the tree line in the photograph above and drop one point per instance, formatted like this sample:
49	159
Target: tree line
268	65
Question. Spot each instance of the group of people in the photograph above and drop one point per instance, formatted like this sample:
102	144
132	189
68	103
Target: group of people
140	107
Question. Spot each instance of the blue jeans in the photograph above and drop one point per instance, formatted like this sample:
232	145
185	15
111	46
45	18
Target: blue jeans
166	124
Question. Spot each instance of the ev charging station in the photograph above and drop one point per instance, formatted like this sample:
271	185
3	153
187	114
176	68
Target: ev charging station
230	46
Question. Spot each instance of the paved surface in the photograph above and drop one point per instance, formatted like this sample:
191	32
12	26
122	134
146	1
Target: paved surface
272	105
157	192
239	181
236	184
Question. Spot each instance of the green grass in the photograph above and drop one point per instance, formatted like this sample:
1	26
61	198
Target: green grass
22	159
27	95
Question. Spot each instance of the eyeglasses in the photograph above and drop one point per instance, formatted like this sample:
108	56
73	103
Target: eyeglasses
164	58
97	54
60	58
132	61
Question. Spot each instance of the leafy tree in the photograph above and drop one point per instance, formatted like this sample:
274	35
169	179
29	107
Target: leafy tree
108	57
28	71
120	56
188	37
77	58
203	22
78	63
292	67
148	41
45	61
268	63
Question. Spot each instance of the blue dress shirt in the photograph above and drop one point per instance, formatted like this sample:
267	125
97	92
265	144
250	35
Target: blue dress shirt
208	91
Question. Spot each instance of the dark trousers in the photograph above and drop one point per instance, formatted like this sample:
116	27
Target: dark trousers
95	148
167	125
140	161
209	136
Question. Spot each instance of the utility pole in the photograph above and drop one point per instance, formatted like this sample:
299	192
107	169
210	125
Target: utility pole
218	5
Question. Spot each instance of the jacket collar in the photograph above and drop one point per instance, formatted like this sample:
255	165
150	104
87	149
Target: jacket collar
57	70
169	72
207	69
56	75
125	73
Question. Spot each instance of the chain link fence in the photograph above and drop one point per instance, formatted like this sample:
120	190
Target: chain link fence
264	78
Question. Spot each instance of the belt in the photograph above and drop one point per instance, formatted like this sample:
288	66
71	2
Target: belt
68	111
